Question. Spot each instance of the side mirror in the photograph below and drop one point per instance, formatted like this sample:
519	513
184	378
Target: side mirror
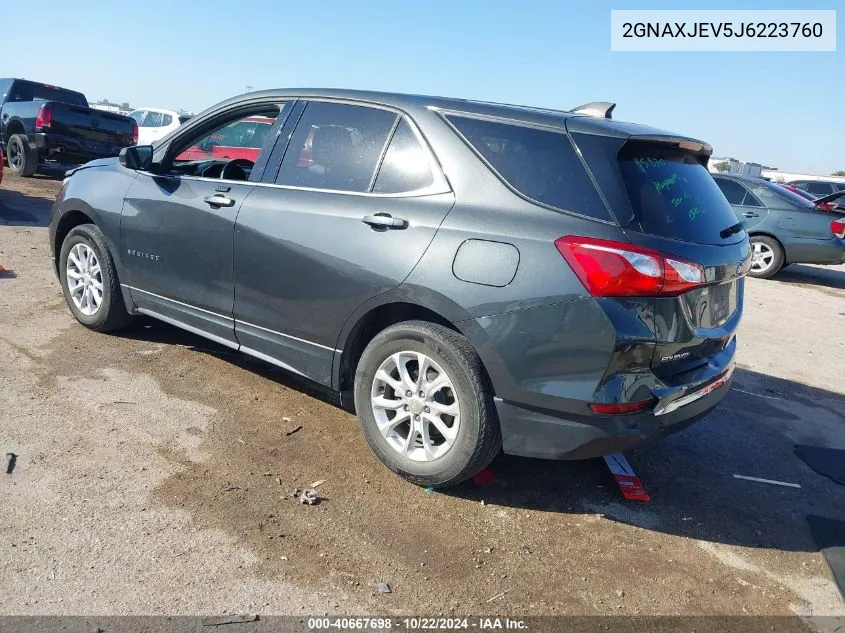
137	157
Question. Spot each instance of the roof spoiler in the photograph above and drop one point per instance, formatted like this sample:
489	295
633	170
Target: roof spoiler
600	109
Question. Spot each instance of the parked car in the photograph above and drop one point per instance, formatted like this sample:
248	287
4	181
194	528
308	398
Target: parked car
155	123
785	228
824	206
40	123
818	188
450	269
241	139
1	166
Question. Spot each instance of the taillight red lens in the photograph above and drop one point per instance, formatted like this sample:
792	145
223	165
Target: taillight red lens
838	227
617	409
616	269
44	118
134	132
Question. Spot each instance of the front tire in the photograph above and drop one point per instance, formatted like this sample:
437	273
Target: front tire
766	256
22	159
89	280
425	404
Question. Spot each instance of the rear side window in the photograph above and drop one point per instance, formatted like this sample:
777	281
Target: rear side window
673	194
405	166
540	164
336	146
166	120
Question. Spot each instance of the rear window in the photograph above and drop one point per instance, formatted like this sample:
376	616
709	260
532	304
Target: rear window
774	195
539	164
673	195
31	91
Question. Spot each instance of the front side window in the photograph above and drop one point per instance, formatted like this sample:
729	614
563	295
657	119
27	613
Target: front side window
336	146
405	166
540	164
241	138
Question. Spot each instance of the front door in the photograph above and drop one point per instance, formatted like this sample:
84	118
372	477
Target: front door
177	229
356	201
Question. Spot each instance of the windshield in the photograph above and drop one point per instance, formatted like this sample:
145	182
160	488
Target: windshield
673	194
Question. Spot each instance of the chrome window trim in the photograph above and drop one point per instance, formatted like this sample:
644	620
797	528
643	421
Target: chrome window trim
426	191
222	316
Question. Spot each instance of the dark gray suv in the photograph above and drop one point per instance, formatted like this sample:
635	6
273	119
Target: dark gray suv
469	276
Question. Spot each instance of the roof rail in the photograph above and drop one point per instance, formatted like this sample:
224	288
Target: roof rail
601	109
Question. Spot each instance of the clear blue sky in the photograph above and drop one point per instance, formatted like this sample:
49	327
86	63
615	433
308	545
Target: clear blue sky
781	109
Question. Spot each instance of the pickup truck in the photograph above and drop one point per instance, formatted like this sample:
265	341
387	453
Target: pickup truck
40	123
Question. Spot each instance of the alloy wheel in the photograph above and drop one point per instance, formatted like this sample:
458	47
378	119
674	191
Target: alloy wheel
762	257
84	279
415	406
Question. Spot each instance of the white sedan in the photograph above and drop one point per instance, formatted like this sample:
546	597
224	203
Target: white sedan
155	123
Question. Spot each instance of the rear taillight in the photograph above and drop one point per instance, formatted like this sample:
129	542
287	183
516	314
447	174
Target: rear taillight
838	228
618	409
134	132
44	118
616	269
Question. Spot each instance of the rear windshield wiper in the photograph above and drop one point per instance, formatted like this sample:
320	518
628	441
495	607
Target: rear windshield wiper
736	228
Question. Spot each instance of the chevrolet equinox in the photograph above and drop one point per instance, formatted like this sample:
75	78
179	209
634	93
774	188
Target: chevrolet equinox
470	277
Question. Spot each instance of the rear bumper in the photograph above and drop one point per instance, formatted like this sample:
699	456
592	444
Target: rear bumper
74	150
544	435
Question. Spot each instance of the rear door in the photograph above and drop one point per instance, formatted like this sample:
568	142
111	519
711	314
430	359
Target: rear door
748	208
343	218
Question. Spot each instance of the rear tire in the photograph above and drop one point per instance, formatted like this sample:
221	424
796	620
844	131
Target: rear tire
767	256
86	268
471	437
22	159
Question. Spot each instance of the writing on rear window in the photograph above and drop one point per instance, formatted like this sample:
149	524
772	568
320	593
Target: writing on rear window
663	183
673	194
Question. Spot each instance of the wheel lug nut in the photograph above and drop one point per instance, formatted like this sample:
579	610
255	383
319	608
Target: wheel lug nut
422	394
427	410
407	407
417	418
408	393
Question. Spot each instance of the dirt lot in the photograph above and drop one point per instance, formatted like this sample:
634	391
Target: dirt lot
154	474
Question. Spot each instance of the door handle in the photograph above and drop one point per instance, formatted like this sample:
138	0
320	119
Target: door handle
219	201
751	214
384	221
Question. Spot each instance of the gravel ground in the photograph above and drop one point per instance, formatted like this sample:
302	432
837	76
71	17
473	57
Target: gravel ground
155	471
